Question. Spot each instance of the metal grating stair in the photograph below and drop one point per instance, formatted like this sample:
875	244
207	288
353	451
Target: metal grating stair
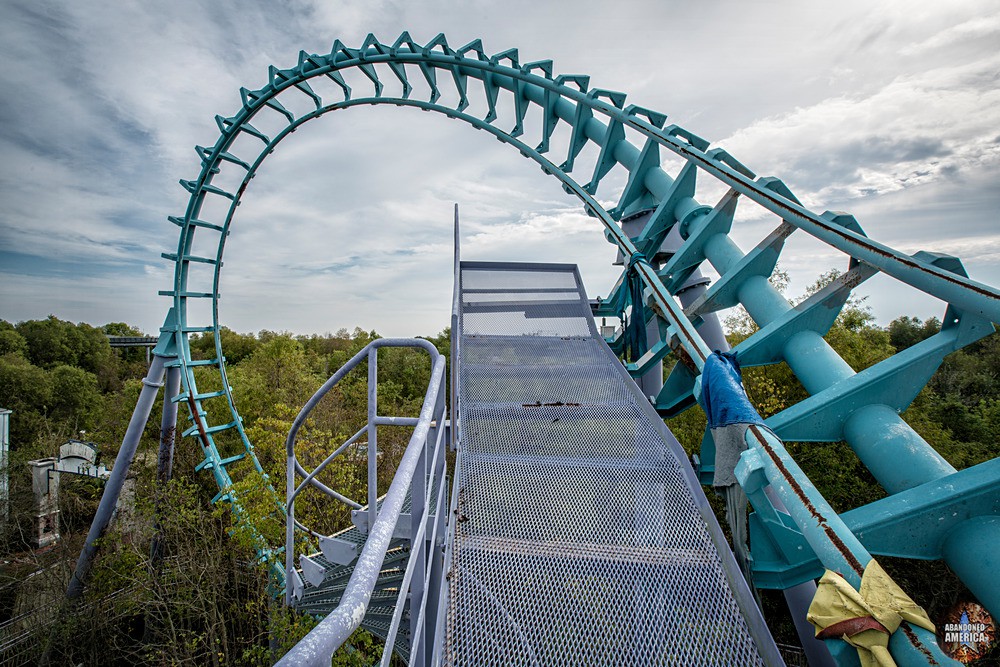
319	599
581	534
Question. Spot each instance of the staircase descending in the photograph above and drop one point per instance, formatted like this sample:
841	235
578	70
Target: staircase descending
326	574
383	573
581	534
326	580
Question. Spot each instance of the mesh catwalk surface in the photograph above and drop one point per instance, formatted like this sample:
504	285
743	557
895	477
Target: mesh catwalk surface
578	538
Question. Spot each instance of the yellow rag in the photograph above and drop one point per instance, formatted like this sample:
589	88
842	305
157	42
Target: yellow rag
880	598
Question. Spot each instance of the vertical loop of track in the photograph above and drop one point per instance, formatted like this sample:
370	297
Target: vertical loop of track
596	116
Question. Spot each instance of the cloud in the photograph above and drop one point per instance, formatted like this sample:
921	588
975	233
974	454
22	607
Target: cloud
973	29
349	222
84	298
914	130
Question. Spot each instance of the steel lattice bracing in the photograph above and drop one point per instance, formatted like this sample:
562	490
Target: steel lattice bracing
581	534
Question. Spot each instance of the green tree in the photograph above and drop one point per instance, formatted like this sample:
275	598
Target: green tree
27	391
235	346
75	398
905	331
121	329
11	342
52	342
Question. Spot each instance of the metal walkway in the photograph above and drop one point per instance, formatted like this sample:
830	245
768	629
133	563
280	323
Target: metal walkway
582	536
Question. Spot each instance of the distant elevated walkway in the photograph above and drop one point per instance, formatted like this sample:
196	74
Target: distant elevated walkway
148	342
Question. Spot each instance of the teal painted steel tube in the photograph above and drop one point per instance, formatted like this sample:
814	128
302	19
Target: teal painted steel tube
834	543
813	361
806	351
895	454
764	301
875	430
819	367
972	551
761	300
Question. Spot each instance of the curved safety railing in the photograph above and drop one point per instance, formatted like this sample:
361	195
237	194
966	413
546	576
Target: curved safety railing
419	478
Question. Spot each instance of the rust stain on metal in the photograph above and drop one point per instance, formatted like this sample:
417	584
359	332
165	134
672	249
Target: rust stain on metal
685	359
793	483
852	279
851	627
167	441
915	640
202	434
166	453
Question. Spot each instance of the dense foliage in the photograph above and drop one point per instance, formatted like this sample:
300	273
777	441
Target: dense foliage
207	602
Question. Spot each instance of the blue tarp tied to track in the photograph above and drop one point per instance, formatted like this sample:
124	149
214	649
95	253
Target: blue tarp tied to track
635	326
723	396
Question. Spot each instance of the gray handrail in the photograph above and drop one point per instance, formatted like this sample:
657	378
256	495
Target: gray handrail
455	307
328	385
317	647
418	540
295	468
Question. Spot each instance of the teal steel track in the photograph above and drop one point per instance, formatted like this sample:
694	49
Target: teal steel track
860	408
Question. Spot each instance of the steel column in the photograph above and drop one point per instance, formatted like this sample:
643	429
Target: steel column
888	450
165	458
971	551
112	490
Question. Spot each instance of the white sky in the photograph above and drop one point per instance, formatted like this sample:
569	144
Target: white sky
888	110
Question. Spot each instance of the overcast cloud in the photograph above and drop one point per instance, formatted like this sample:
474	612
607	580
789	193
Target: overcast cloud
889	111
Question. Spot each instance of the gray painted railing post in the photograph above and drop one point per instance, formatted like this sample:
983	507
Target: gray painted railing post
372	438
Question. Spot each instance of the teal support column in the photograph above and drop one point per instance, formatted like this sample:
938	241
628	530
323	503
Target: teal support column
895	454
762	301
890	454
815	363
971	550
723	252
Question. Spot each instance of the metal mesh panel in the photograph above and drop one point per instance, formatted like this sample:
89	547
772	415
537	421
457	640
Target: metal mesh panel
520	296
577	538
614	434
532	351
509	278
549	320
547	384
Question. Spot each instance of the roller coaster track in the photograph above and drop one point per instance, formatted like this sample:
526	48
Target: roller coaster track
564	110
